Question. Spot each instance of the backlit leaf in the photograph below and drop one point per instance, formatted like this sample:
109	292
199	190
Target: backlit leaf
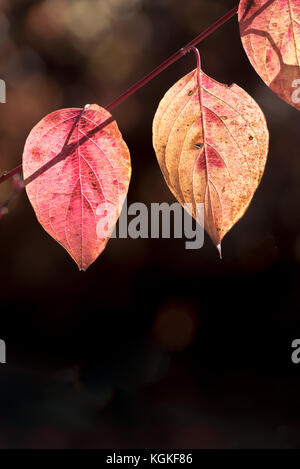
211	142
270	32
77	170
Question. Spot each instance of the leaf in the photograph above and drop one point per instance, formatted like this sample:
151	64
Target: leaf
211	143
77	170
270	33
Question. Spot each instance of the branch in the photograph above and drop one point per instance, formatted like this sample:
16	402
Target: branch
18	185
180	53
9	174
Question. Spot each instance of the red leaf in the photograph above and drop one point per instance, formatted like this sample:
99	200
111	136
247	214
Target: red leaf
270	32
77	171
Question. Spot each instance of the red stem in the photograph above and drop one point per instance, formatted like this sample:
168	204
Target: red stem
180	53
18	185
9	174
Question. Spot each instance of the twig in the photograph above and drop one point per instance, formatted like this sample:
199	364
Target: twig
18	185
9	174
181	52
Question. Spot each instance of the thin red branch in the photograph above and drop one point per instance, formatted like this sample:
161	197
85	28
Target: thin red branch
180	53
9	174
17	186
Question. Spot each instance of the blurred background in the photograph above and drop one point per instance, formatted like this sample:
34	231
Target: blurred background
155	346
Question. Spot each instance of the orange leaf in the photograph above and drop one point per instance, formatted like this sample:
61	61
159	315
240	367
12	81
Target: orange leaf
77	170
211	143
270	32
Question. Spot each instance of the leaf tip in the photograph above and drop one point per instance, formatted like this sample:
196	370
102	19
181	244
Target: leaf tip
219	248
81	267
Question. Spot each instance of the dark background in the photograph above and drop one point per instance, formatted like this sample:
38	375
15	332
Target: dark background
155	345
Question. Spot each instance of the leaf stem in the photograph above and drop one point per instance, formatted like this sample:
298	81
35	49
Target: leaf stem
199	81
173	58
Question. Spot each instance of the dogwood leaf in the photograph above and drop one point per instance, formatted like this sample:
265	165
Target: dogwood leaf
77	170
270	32
211	143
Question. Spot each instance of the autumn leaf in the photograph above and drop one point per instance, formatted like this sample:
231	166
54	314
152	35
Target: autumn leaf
211	143
270	32
77	170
